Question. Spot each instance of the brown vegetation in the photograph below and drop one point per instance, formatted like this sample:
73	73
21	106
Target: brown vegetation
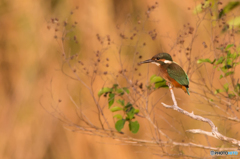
56	56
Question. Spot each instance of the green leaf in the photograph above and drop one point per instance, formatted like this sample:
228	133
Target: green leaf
120	124
229	46
235	56
238	85
211	100
229	55
128	105
158	81
221	76
120	91
229	61
121	102
220	60
116	108
199	8
227	66
204	60
229	73
161	84
130	113
126	90
104	90
115	86
213	61
225	86
234	22
224	69
136	111
235	64
231	95
118	116
134	126
111	99
218	91
227	8
154	79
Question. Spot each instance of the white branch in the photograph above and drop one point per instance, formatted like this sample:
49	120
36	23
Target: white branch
214	132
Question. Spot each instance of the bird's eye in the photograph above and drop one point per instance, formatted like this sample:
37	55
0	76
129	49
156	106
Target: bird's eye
157	58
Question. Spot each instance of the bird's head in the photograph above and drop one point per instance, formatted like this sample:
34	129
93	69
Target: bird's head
159	59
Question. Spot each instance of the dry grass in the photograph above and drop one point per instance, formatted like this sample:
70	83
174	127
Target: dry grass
31	62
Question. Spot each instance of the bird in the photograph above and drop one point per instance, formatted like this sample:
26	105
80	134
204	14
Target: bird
170	71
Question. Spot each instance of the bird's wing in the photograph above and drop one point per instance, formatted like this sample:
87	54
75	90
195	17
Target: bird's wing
177	73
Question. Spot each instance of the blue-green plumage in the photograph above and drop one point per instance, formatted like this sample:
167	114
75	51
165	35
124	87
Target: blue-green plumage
170	71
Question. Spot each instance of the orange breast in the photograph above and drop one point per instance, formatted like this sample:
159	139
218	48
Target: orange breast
164	74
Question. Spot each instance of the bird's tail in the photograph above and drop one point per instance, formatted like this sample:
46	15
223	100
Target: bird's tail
185	89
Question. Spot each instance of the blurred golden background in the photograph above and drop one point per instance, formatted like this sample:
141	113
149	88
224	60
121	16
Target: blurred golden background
31	78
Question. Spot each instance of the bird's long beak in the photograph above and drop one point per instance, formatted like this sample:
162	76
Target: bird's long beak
146	61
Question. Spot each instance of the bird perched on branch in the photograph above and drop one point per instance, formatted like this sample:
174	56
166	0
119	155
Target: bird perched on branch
170	71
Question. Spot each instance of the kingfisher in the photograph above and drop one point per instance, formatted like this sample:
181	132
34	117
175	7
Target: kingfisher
170	71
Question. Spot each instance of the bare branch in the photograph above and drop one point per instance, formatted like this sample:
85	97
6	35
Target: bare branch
214	132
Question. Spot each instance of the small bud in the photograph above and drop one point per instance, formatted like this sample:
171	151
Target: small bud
80	62
141	86
65	23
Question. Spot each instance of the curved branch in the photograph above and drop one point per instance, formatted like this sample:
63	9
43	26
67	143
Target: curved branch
214	132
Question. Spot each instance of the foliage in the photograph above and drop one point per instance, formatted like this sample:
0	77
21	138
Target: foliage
128	110
230	6
235	22
158	81
226	65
